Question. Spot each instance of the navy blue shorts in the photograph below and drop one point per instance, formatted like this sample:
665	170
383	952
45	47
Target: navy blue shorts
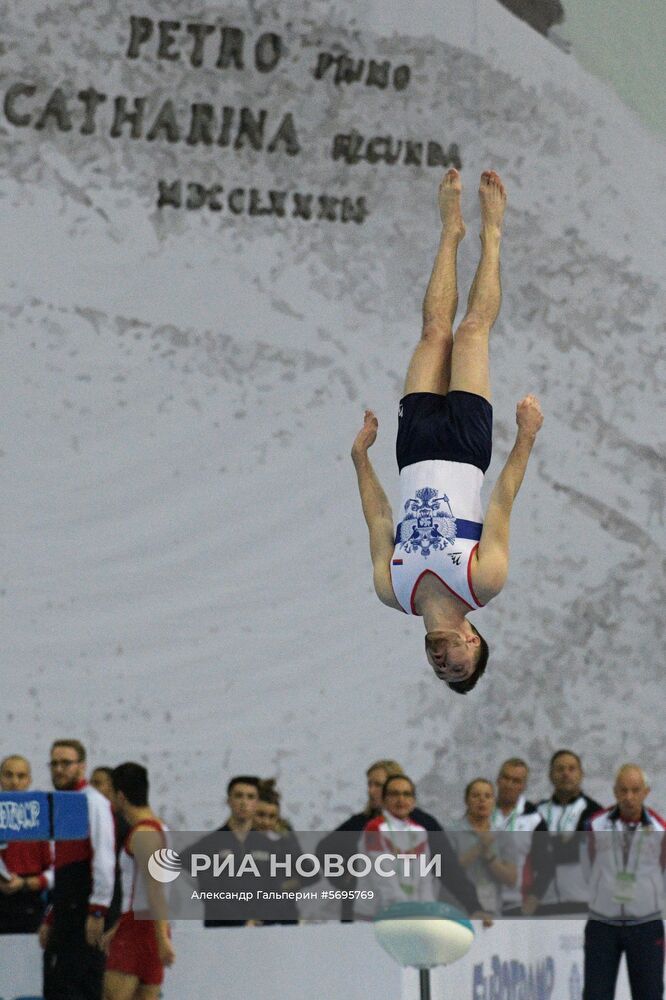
457	427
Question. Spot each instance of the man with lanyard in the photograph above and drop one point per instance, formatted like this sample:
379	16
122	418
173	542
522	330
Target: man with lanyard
565	814
515	815
511	784
627	854
438	563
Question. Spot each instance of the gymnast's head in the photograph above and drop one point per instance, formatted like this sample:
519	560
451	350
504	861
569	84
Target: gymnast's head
457	656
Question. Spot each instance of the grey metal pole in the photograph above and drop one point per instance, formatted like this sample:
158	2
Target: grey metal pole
424	980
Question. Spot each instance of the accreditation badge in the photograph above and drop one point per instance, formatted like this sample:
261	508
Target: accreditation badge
625	887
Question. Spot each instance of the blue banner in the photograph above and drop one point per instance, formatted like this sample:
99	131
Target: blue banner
43	816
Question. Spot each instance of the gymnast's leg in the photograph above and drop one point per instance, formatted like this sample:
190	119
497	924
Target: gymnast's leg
469	359
430	366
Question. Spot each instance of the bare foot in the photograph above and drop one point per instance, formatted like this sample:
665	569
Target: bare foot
449	204
493	201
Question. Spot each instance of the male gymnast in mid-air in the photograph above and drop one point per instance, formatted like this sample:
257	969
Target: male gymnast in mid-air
438	563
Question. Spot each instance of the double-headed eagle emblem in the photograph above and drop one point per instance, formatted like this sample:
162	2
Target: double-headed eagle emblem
428	524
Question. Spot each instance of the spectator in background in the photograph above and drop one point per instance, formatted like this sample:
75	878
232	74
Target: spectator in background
341	841
391	833
269	821
15	774
242	799
565	813
484	853
102	779
376	776
268	817
511	785
28	862
518	817
626	849
73	928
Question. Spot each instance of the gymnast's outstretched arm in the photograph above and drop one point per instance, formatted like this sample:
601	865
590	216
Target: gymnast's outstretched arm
376	510
493	553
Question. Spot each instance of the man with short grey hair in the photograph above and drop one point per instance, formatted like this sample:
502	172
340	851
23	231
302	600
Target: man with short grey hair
511	784
28	863
519	818
626	852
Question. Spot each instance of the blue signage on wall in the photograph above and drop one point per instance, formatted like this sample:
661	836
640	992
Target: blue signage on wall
43	816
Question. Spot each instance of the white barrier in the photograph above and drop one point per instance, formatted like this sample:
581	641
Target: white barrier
512	961
515	960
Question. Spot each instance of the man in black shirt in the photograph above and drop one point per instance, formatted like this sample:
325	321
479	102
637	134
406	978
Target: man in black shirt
240	840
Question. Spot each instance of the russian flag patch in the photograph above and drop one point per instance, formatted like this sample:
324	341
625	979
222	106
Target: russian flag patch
396	562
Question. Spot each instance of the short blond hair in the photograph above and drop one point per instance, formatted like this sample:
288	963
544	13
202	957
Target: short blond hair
386	764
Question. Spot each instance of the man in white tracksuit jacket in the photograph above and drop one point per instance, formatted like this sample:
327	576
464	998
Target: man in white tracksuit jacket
625	864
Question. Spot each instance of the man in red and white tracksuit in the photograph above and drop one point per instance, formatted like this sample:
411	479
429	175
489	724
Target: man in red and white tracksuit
140	945
627	860
29	863
73	927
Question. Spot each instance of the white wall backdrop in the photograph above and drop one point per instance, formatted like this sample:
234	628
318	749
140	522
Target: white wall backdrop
185	576
537	962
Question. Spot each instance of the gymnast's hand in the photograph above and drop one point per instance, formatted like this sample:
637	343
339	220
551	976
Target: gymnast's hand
529	416
367	435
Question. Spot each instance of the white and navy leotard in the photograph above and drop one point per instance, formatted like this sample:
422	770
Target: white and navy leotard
440	525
